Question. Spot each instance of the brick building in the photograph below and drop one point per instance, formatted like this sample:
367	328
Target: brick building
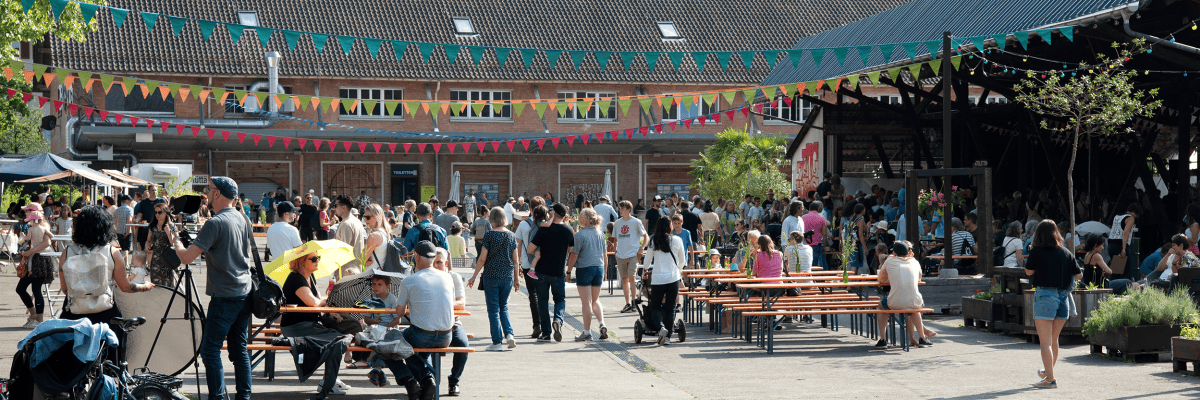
640	166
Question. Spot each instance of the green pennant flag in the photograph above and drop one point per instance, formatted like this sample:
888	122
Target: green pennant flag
235	32
874	76
710	99
39	70
476	53
840	54
176	24
771	58
700	59
452	51
305	101
894	74
89	11
729	96
426	50
817	55
390	106
910	49
552	57
319	41
264	35
284	98
206	28
562	110
864	52
651	60
723	59
812	89
955	61
676	58
291	38
626	58
518	107
105	81
433	110
541	109
370	106
262	98
173	88
347	43
61	73
1044	34
667	103
194	90
527	56
687	104
324	103
602	59
624	105
118	15
128	84
148	18
577	58
57	6
218	93
84	79
412	107
1068	32
502	54
1000	40
747	58
604	105
887	51
915	70
979	42
933	46
748	95
795	55
374	44
26	5
853	78
769	92
1023	37
456	108
936	66
646	104
152	87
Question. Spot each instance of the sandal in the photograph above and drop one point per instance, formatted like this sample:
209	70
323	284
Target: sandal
358	365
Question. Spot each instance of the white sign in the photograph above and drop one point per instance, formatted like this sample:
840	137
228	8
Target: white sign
199	180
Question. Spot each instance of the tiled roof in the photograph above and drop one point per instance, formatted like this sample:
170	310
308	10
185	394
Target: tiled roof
607	25
922	20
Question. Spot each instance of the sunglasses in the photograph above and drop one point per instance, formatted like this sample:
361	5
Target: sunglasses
367	217
160	212
314	258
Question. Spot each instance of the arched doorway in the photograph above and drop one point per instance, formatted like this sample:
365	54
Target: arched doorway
352	179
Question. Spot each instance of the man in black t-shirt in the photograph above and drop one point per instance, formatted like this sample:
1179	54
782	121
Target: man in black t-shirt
554	242
145	213
652	215
691	221
824	187
307	213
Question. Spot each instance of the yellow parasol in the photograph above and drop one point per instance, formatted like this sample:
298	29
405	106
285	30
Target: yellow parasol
334	254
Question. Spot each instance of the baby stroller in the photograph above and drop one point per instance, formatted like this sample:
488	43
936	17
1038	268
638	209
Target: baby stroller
644	314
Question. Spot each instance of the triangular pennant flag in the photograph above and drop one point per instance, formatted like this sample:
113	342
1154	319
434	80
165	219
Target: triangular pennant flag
300	143
176	24
128	84
527	56
626	58
88	11
723	59
1044	34
915	70
346	145
769	92
147	17
235	31
291	38
887	51
700	59
874	76
812	89
979	42
541	142
646	104
748	95
1023	37
853	78
332	145
118	15
687	123
864	52
552	57
287	141
956	61
347	43
933	46
570	141
195	131
729	96
373	46
476	53
195	90
495	147
1068	31
1001	40
936	66
728	114
525	144
577	58
644	130
412	108
603	108
602	59
518	108
325	104
478	108
541	109
772	57
676	58
451	52
795	55
392	147
270	141
840	54
466	147
894	74
391	107
584	138
317	144
362	147
398	48
407	147
370	106
910	49
554	141
377	146
651	60
623	104
426	50
502	55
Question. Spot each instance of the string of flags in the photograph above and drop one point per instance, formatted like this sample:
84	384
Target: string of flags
463	144
601	59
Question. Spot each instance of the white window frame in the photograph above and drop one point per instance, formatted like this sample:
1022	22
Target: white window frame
692	112
379	107
889	99
475	94
251	13
593	106
252	102
454	22
803	109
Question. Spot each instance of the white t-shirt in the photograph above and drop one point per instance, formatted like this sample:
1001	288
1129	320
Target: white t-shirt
606	213
791	224
666	268
508	211
282	237
798	255
754	213
523	234
629	236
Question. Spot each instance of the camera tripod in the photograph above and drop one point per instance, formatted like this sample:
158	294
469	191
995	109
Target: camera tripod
190	296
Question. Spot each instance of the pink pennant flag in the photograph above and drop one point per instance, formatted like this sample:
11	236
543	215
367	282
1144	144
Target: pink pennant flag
758	108
362	148
195	131
525	143
88	111
225	135
717	117
255	137
687	123
74	108
554	141
270	141
210	133
584	138
317	144
510	145
301	142
745	111
11	93
287	141
58	105
600	137
242	138
164	127
702	121
570	141
658	128
673	125
132	120
451	147
332	145
392	147
421	147
629	133
480	146
42	101
495	147
644	130
729	114
437	148
406	147
541	142
788	101
178	130
466	147
25	97
346	145
377	146
103	114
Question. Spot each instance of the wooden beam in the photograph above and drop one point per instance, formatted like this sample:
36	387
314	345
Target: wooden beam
883	157
867	100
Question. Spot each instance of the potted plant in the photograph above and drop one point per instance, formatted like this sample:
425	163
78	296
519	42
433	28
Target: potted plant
1185	348
1140	323
1086	300
978	310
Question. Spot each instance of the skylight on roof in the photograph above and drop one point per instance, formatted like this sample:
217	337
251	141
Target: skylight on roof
668	31
248	18
463	26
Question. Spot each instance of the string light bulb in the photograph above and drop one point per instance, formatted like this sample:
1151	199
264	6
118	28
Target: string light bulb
1024	60
1193	26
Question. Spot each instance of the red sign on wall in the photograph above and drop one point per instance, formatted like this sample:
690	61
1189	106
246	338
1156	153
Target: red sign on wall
808	169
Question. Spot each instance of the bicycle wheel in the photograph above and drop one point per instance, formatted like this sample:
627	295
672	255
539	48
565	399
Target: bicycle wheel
152	392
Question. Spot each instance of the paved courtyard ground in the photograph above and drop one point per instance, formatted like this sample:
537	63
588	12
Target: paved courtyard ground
809	362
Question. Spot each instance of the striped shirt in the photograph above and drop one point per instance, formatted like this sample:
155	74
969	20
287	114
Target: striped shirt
121	215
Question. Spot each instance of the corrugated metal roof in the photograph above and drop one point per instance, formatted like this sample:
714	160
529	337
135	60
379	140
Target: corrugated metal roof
922	20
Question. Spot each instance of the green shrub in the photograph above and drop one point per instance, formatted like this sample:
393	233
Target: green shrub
1147	306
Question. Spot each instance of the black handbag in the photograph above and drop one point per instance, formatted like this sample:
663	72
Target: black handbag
267	294
346	326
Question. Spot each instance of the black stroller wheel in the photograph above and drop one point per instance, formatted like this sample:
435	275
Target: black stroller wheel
637	331
680	331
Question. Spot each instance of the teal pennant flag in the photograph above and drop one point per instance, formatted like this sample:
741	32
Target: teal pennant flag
652	60
426	50
817	56
452	51
206	28
1023	37
118	15
864	52
149	19
911	49
552	57
1001	40
57	7
1044	34
1068	32
747	58
626	58
933	46
264	35
398	48
979	42
602	59
176	24
347	43
373	46
319	41
235	32
676	58
772	57
88	11
887	51
577	58
291	37
840	54
723	59
527	55
700	58
502	54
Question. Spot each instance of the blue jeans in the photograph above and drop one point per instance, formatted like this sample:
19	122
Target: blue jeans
1053	303
589	276
547	285
228	319
819	257
417	366
458	339
495	292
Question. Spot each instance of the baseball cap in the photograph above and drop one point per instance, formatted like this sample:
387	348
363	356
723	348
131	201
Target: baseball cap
605	199
426	249
521	198
226	186
900	249
312	190
657	198
285	207
559	209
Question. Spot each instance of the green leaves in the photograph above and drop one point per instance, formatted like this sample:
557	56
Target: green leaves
740	163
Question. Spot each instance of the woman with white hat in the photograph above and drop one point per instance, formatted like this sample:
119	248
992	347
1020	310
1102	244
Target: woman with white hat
37	269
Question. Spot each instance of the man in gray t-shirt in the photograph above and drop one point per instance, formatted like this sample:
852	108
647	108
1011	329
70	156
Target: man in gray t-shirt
225	240
449	217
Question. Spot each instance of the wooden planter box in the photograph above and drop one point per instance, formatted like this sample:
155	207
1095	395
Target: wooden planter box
1130	342
1184	351
1085	302
981	313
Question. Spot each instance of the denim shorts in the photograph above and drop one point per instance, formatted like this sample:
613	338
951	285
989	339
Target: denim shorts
1053	303
589	276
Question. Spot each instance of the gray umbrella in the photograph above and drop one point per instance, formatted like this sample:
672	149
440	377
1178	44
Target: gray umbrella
354	289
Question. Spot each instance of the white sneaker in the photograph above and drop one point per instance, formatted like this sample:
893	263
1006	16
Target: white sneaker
30	324
512	343
662	336
495	347
336	389
583	337
342	385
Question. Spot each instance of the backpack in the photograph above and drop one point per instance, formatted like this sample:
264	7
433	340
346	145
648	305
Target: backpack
429	233
998	254
89	282
392	262
532	233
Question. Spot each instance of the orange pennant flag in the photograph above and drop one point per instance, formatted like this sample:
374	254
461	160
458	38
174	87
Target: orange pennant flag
145	90
445	107
425	106
183	94
69	80
8	73
316	102
164	92
296	101
334	103
28	76
48	77
354	106
280	103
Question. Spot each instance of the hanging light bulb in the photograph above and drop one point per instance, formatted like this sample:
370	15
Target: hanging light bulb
1072	73
1024	60
1147	72
1193	26
1091	71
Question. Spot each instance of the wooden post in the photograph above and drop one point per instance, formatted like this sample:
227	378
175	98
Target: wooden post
947	158
983	201
910	209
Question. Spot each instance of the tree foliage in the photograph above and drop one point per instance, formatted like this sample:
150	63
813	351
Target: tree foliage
1099	102
17	26
740	163
22	133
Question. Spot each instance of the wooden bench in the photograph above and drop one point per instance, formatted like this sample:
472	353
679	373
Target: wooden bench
766	332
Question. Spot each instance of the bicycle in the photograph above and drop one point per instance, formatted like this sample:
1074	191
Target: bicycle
149	385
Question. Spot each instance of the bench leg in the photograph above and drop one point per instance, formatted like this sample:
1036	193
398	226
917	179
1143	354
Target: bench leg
270	368
437	374
771	335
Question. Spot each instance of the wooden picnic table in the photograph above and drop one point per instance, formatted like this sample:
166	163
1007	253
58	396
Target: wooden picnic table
352	310
796	278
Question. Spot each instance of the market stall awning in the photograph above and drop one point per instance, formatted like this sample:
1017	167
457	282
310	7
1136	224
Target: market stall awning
123	177
72	177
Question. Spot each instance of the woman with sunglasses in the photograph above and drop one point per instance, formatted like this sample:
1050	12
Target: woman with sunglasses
300	289
159	248
374	222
